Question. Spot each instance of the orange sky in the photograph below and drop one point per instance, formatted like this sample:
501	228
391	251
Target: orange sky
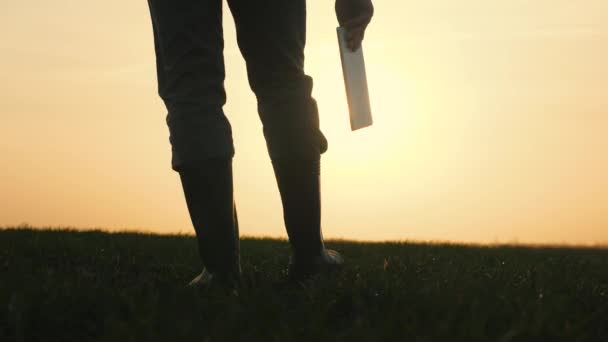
490	123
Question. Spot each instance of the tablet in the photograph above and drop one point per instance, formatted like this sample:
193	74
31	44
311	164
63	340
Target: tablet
355	81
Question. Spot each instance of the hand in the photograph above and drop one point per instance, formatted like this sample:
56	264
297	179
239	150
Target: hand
354	15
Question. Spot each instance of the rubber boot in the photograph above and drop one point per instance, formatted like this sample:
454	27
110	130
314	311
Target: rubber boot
299	186
208	190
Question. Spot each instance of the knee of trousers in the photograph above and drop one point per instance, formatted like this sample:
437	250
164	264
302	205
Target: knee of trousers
292	131
197	136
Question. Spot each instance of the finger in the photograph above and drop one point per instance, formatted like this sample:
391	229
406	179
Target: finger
351	46
358	45
356	34
350	42
355	41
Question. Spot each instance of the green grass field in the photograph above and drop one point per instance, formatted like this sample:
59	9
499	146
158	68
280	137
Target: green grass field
66	285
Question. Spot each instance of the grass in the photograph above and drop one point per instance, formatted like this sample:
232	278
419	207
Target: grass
66	285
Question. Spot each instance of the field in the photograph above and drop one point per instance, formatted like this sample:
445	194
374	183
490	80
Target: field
66	285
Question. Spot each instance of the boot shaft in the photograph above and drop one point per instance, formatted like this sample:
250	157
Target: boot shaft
300	190
208	190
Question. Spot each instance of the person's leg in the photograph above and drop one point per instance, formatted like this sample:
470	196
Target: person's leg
189	45
271	35
208	190
190	69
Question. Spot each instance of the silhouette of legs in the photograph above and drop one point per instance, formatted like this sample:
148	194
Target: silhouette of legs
299	185
189	43
208	189
190	70
271	35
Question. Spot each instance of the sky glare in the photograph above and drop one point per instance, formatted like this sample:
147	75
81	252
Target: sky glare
490	123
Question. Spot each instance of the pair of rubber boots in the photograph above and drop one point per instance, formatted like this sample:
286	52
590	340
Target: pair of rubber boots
208	189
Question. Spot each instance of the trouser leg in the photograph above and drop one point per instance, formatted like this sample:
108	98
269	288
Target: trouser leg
190	70
189	44
271	35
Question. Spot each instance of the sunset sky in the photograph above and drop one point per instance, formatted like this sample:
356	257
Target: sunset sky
491	123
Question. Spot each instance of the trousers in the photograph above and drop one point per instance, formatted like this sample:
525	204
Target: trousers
271	35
